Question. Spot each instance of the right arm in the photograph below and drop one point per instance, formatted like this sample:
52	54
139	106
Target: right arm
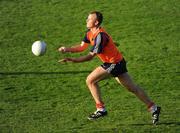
77	48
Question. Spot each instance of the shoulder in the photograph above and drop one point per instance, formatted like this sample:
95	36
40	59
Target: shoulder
103	35
86	37
87	31
102	32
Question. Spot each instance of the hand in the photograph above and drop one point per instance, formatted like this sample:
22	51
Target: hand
67	60
62	49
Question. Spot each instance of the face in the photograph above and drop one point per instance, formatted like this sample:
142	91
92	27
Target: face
91	21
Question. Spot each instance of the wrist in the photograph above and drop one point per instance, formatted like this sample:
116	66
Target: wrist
67	50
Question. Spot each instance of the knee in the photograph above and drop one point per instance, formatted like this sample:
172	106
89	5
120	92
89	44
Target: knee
89	80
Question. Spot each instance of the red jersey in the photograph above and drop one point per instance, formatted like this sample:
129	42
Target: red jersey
103	46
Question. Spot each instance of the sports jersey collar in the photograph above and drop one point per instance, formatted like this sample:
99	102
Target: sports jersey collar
100	29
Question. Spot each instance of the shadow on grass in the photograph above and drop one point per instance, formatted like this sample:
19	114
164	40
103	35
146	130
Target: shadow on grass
119	127
145	124
42	73
170	123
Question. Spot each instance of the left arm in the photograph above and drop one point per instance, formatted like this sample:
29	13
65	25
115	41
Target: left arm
79	59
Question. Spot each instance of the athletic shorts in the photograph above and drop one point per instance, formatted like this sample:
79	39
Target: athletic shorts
115	69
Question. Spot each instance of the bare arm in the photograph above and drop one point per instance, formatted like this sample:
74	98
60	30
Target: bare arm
79	59
78	48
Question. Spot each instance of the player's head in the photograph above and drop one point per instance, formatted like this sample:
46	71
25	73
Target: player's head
94	19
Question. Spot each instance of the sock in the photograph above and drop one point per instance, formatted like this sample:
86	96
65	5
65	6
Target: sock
152	107
100	107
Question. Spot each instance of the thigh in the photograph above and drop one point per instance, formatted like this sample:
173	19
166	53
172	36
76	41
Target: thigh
98	74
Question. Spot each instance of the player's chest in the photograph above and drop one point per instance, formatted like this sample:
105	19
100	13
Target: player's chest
92	39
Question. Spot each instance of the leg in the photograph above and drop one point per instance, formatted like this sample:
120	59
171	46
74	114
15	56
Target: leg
127	82
92	82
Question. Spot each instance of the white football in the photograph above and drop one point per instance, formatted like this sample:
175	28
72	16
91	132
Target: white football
38	48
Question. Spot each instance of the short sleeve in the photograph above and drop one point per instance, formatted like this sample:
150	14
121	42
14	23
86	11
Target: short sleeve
85	39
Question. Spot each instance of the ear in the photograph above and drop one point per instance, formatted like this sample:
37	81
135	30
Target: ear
96	23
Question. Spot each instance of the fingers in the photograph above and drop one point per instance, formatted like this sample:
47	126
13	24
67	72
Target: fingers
62	60
66	60
62	49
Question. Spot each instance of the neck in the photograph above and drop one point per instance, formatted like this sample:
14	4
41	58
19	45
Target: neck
94	29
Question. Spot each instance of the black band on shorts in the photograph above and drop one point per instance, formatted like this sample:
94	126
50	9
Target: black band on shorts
115	69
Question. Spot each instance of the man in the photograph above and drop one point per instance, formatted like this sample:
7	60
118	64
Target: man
113	65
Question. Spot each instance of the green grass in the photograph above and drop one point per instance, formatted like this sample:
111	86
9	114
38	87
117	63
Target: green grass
39	95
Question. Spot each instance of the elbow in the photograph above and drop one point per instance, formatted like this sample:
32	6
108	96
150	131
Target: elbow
89	59
91	56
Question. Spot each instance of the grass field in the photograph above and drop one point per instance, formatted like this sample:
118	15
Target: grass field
39	95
